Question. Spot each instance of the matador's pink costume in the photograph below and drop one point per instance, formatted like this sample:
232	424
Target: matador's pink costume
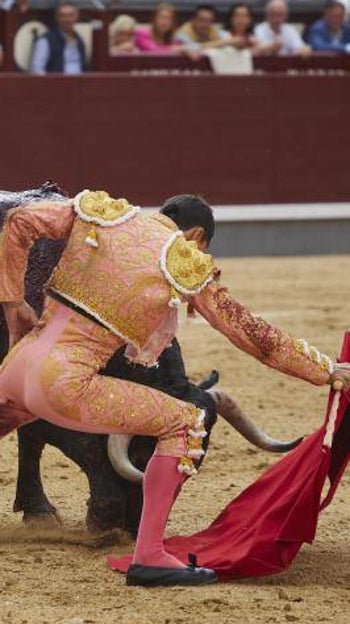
119	281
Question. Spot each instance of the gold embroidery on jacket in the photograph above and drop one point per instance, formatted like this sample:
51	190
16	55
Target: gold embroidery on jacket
99	205
188	266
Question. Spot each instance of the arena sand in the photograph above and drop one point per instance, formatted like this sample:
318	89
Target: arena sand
60	576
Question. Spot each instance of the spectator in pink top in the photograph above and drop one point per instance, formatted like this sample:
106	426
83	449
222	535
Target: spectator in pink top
160	36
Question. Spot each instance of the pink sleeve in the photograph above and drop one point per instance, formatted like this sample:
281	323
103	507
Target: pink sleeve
22	228
263	341
143	40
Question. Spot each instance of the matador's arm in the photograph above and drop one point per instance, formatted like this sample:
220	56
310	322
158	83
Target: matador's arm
258	338
23	226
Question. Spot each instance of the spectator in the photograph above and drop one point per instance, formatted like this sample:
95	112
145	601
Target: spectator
61	49
282	38
331	33
240	21
201	31
160	36
240	29
123	35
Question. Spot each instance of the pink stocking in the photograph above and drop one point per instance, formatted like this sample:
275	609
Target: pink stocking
162	483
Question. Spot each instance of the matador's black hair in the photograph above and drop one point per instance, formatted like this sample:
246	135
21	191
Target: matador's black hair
189	211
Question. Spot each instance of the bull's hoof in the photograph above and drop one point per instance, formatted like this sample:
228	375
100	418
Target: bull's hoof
47	520
33	504
105	513
100	523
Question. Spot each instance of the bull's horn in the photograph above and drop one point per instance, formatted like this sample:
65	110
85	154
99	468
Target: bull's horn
117	447
233	414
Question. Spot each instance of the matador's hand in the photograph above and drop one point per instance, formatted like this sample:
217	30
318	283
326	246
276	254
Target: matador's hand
341	376
20	318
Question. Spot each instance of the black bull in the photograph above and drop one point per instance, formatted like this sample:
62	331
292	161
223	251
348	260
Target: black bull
114	502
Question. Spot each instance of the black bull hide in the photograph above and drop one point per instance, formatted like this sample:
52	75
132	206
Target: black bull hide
114	502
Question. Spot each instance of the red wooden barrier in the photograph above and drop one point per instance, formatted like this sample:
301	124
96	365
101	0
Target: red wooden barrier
236	140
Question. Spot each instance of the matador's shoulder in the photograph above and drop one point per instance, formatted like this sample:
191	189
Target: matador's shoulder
187	268
99	208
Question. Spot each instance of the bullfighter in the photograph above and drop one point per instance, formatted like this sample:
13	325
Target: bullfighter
112	464
120	280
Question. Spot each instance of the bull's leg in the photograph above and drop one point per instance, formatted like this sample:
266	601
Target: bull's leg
106	505
107	502
30	495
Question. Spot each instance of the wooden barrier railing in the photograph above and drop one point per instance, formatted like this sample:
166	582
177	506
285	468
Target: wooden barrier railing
179	64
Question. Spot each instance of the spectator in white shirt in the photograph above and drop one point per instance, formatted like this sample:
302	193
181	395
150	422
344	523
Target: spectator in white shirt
282	38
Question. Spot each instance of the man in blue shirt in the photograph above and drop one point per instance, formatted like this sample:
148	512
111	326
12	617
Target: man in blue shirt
61	49
331	33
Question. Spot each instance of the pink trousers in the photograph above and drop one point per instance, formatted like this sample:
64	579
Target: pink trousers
52	374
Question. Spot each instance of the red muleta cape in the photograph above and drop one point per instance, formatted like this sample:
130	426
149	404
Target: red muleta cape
262	529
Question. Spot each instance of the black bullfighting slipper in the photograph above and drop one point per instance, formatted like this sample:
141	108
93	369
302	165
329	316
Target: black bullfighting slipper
150	576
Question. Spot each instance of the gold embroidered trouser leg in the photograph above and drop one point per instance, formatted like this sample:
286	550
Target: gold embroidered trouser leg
54	375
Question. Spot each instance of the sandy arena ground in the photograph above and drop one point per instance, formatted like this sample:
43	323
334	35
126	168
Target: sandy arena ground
61	577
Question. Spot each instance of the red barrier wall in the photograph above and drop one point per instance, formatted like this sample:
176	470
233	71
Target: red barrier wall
252	139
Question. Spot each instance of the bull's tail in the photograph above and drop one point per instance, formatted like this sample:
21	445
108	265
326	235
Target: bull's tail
8	420
12	417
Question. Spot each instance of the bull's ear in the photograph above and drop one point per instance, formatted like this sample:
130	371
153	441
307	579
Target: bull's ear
210	381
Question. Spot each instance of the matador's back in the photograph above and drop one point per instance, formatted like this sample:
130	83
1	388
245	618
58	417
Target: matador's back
128	269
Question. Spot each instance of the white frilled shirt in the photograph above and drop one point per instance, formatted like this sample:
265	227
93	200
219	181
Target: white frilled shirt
288	36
